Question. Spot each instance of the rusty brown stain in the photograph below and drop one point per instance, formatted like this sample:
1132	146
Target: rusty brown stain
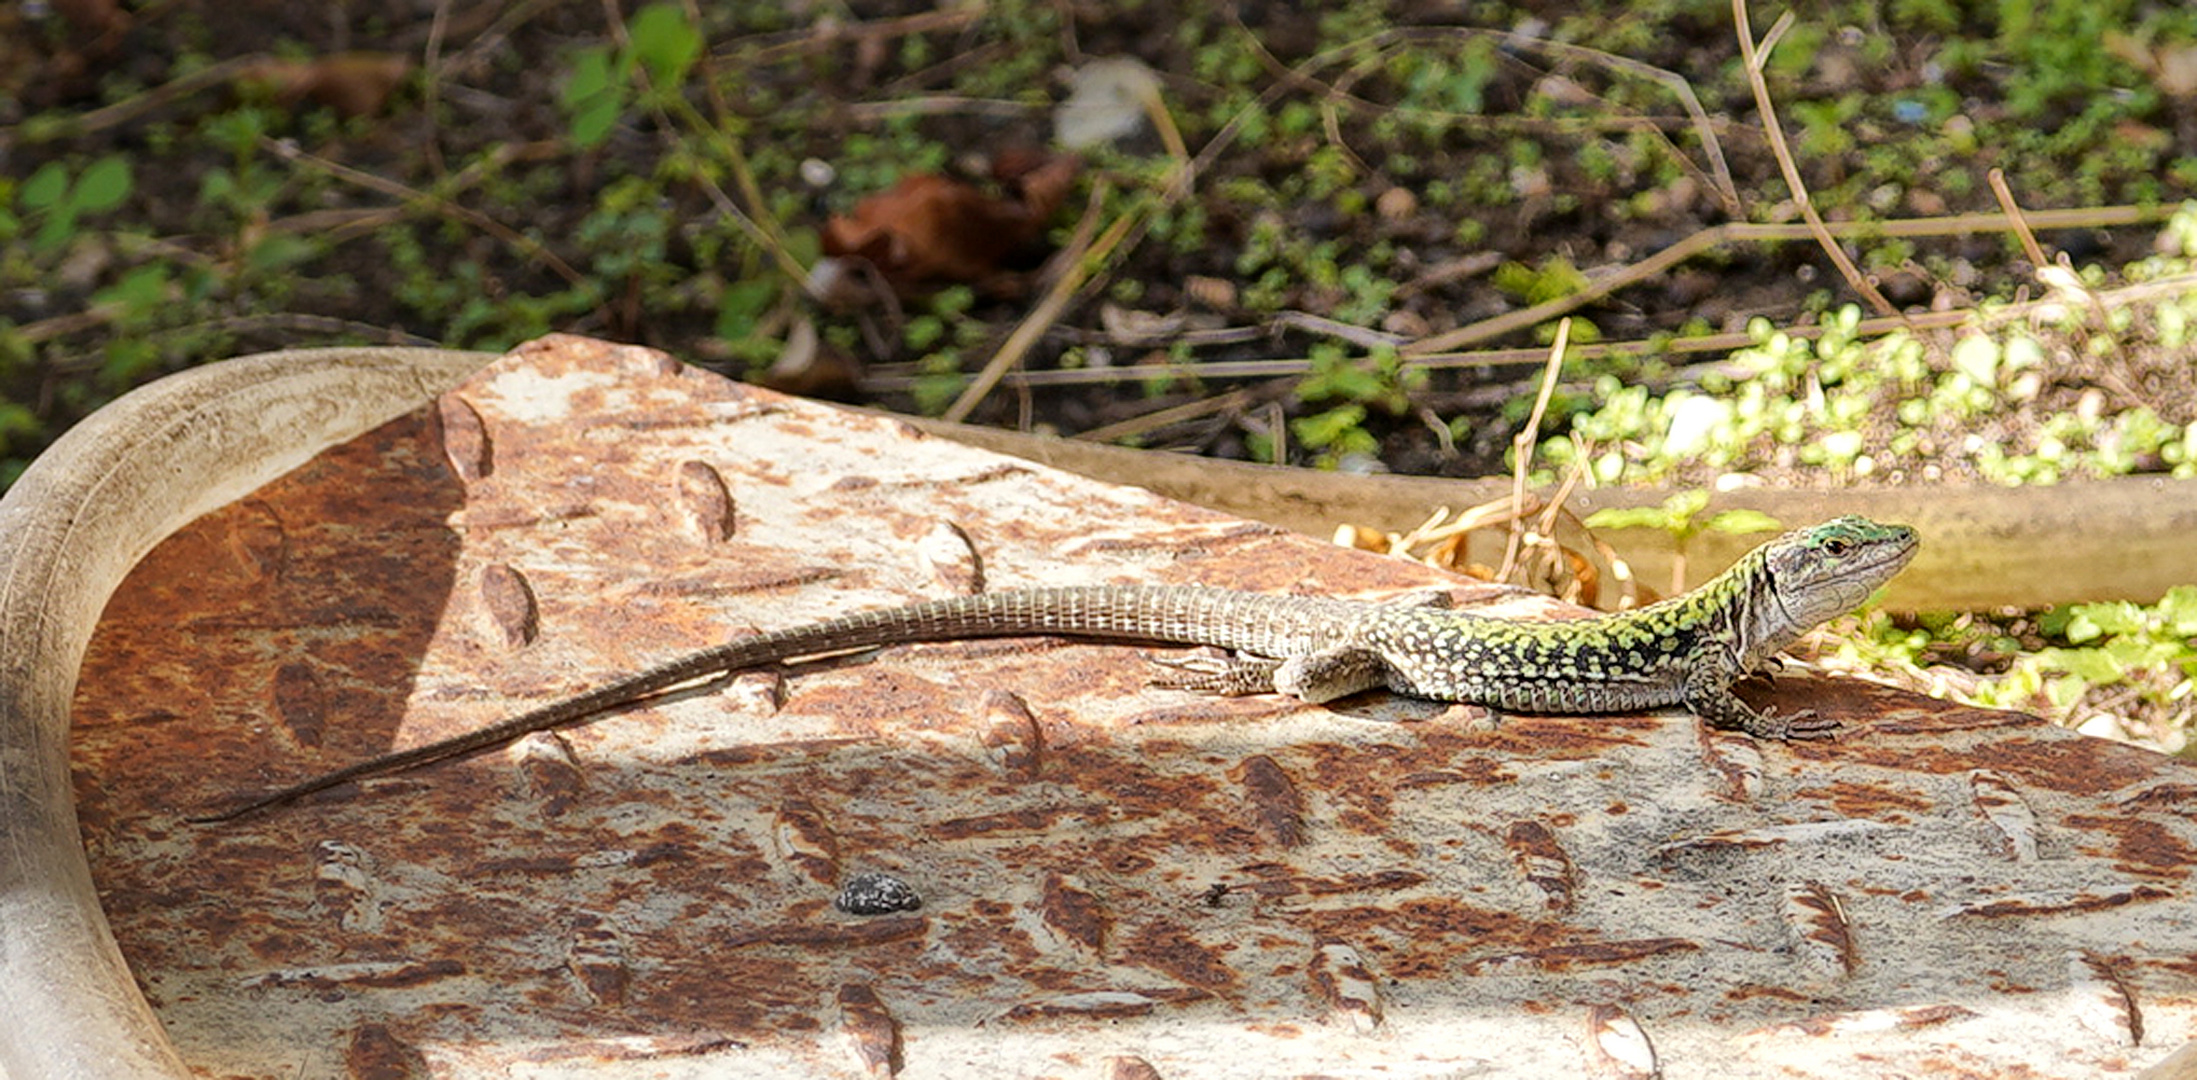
1340	978
1025	821
1473	772
2162	797
301	702
1878	801
1277	810
869	1029
2141	845
552	776
374	1053
1585	954
1012	735
832	935
2067	767
1912	1016
1167	947
1819	921
597	958
389	976
1542	861
805	840
1084	1006
1291	883
1773	993
1071	911
1437	924
2090	901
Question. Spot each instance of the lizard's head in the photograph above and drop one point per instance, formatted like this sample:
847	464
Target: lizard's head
1823	572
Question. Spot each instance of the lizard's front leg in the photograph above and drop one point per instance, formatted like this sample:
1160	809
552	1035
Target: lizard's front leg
1712	699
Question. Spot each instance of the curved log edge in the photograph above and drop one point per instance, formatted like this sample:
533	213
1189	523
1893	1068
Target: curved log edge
70	529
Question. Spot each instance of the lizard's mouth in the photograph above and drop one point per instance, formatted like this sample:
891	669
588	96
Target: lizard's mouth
1877	564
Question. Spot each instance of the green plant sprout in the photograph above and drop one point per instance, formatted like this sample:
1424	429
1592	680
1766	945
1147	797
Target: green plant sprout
658	40
51	194
1680	517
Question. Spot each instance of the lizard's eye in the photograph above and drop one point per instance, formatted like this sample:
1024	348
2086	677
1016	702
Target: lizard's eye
1838	545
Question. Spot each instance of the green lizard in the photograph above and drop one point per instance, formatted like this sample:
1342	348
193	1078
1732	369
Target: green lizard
1685	651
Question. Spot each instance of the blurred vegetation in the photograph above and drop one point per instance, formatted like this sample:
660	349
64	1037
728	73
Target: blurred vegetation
188	181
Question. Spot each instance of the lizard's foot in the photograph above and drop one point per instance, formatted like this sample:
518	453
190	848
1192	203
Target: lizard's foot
1223	676
1804	724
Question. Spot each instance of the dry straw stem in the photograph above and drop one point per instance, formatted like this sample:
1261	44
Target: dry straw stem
1529	435
1077	263
1082	271
1754	60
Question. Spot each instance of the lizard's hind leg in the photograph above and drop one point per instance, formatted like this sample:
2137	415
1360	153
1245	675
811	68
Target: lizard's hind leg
1236	676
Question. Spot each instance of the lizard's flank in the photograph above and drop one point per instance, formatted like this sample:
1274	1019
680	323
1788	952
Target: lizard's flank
1686	651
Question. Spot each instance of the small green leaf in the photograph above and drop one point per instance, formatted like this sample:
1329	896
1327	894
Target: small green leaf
590	78
1683	506
59	226
17	420
1326	429
140	292
103	186
1977	356
2178	610
664	43
741	307
2136	654
923	331
277	251
2092	666
45	187
2119	617
591	123
1629	517
1742	522
594	96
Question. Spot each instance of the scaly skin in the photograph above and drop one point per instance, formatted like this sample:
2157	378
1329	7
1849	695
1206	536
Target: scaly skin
1686	651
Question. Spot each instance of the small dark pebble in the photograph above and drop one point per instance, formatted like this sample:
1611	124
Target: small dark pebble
876	894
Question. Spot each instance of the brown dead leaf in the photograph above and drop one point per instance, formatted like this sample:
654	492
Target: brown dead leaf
930	230
353	84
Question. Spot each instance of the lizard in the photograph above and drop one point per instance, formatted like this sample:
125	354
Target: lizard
1686	651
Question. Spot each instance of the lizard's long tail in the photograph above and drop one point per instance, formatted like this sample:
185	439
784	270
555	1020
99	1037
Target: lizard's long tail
1254	623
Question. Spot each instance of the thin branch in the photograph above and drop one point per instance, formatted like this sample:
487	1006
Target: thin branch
1076	266
1522	444
1754	62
